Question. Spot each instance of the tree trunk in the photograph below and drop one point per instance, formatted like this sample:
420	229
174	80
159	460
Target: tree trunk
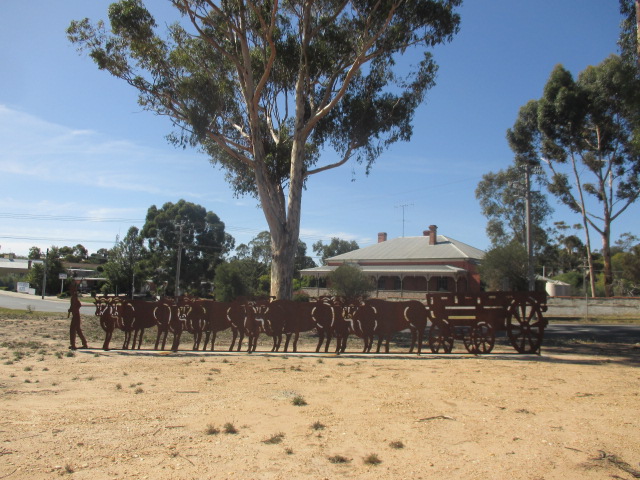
606	256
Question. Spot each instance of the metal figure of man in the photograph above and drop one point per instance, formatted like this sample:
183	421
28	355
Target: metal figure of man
74	312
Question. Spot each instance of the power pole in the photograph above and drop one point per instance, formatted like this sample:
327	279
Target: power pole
177	290
44	275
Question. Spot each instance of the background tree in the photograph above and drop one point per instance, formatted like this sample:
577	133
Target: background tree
257	256
125	269
35	253
504	267
204	243
233	280
502	200
350	283
629	32
586	133
337	246
263	87
53	265
75	254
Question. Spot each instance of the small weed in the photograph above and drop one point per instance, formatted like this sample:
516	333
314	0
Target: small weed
27	369
45	369
317	426
372	459
91	378
58	354
225	361
288	451
274	439
8	362
230	428
70	353
299	401
96	354
125	374
27	381
297	368
212	430
68	469
118	386
202	360
339	459
396	444
320	360
138	390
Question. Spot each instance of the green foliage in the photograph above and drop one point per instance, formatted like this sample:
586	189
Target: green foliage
263	96
337	246
502	199
586	131
204	243
232	280
54	267
125	268
349	282
504	267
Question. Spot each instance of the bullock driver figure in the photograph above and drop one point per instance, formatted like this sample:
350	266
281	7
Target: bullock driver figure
74	311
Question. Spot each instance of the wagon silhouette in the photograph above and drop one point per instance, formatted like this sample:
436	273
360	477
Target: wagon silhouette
475	319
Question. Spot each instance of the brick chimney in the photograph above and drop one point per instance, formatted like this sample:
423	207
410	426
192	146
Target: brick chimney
432	233
382	237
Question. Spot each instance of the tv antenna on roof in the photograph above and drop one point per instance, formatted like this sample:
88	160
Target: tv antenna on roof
403	208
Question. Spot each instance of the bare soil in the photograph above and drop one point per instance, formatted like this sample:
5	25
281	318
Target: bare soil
571	413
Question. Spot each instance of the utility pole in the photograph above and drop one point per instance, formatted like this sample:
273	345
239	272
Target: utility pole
177	290
44	275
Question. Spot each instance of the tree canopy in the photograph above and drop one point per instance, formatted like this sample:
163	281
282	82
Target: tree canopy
264	87
337	246
502	200
198	234
586	133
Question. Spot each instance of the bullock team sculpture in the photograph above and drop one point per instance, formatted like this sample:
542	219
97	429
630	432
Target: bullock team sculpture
446	317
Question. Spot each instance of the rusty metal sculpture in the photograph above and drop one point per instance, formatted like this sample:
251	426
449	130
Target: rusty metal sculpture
75	328
475	319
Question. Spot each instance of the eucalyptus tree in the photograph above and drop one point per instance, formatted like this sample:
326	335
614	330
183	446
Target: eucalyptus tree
586	133
126	263
337	246
629	32
502	200
185	234
264	87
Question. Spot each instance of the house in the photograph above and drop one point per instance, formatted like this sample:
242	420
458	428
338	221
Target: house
412	266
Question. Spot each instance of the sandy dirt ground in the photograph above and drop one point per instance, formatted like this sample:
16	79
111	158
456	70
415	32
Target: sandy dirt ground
571	413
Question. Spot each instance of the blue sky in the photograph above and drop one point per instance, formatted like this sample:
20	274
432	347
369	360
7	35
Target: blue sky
80	161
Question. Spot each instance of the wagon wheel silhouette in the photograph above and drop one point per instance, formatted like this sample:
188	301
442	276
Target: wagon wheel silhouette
440	337
525	324
481	338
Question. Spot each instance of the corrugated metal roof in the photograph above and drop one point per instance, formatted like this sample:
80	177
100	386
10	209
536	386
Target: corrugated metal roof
410	270
412	249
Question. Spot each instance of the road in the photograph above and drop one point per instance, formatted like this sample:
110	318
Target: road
615	333
20	301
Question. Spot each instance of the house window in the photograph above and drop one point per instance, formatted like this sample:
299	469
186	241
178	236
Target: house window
443	284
